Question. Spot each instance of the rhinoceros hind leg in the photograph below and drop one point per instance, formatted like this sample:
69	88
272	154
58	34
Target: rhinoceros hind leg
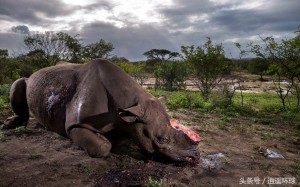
95	144
19	105
14	121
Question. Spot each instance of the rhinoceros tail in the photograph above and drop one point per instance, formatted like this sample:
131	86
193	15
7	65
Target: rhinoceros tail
18	103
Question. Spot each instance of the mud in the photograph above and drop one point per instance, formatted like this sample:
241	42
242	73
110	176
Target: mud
35	157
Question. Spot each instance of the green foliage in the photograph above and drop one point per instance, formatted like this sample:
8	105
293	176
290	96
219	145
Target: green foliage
22	130
181	99
154	183
46	49
134	69
10	70
88	170
3	53
263	101
100	49
254	105
160	54
54	46
4	97
284	59
207	64
265	107
171	75
258	66
240	64
32	62
223	96
151	65
296	167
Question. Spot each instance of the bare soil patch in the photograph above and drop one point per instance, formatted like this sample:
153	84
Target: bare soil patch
35	157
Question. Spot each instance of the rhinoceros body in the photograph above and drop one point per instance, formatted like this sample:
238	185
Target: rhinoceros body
84	102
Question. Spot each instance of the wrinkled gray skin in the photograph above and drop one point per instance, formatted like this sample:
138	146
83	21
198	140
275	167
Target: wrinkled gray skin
83	102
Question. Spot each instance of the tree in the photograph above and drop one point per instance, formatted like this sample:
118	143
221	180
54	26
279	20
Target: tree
54	46
207	64
100	49
135	69
284	59
162	55
258	66
115	59
171	75
3	53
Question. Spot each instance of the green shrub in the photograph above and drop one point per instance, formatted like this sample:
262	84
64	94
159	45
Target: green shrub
171	75
4	97
223	96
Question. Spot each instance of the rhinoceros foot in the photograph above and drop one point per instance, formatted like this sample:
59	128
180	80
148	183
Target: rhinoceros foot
13	122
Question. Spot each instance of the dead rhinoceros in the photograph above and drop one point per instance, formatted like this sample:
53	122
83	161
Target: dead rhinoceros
86	101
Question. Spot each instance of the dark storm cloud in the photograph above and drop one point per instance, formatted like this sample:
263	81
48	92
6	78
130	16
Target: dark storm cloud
276	16
33	11
272	16
178	15
129	42
230	21
22	29
184	23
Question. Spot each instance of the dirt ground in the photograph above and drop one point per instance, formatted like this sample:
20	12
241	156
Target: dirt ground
232	155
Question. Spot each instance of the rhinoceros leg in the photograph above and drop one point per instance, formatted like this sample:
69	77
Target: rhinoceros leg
19	105
95	144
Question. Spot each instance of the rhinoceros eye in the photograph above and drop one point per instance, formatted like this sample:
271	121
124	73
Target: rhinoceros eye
162	140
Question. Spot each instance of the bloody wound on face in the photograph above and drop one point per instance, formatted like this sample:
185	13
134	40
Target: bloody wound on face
189	132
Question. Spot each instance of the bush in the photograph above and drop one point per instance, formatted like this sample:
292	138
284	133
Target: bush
207	65
222	97
171	75
4	97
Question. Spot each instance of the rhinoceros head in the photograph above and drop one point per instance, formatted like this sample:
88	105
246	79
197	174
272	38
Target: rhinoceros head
151	128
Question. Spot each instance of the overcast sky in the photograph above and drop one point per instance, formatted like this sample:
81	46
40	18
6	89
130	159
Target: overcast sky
135	26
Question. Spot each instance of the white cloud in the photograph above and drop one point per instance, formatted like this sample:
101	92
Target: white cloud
136	11
79	2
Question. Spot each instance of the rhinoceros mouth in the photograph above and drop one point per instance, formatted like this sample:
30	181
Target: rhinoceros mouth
192	161
191	156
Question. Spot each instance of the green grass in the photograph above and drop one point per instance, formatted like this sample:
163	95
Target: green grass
296	167
88	170
193	99
23	130
154	183
263	101
266	107
181	99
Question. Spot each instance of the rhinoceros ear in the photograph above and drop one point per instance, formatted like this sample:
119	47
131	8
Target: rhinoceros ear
132	114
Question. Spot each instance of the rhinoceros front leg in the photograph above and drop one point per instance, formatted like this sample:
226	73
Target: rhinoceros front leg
90	99
95	144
